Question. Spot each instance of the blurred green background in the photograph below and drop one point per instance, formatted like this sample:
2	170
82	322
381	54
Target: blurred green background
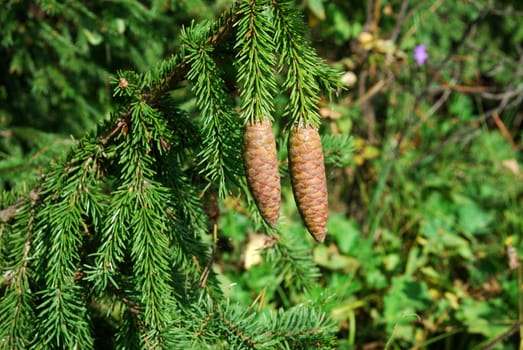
424	211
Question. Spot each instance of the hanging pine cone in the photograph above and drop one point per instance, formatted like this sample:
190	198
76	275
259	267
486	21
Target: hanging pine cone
261	167
309	183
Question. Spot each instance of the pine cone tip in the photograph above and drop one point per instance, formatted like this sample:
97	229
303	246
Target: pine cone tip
319	236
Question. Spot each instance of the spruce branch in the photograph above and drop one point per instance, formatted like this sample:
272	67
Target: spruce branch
16	303
152	86
119	220
292	262
217	33
299	60
301	327
306	73
255	61
137	216
219	157
187	218
69	189
206	320
240	329
338	149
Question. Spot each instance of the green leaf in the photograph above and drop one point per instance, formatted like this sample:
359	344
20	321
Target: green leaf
405	300
472	219
478	317
346	233
326	259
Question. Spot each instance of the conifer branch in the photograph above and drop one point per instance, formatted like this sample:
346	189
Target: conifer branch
299	59
301	327
241	329
218	33
167	76
306	73
338	149
219	156
135	217
292	262
121	217
16	303
206	321
255	61
70	189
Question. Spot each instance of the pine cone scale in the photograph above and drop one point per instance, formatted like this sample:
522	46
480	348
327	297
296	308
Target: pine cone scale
308	179
261	167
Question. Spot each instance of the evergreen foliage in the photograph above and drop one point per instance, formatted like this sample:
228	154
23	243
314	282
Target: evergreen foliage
256	59
305	71
109	249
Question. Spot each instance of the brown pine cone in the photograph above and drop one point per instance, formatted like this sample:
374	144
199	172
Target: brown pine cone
261	167
309	183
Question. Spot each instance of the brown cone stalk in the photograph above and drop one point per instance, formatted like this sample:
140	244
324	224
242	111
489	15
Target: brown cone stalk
261	167
309	183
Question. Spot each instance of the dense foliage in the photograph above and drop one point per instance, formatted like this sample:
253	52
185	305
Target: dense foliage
422	148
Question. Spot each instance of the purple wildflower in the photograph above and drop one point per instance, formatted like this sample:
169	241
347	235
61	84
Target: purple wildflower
420	54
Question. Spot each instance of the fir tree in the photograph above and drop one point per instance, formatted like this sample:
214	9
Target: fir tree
107	248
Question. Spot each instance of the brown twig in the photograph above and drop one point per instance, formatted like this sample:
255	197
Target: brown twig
507	11
402	17
234	328
503	129
206	321
7	214
513	329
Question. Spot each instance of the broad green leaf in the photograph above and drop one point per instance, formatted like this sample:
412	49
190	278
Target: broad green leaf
346	232
472	219
405	300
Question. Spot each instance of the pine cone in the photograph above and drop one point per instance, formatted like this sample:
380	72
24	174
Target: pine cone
261	167
309	183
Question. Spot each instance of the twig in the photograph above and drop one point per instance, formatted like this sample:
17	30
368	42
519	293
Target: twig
513	329
376	16
133	308
506	95
463	135
468	30
7	214
368	15
181	70
402	17
370	92
503	129
444	97
207	320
